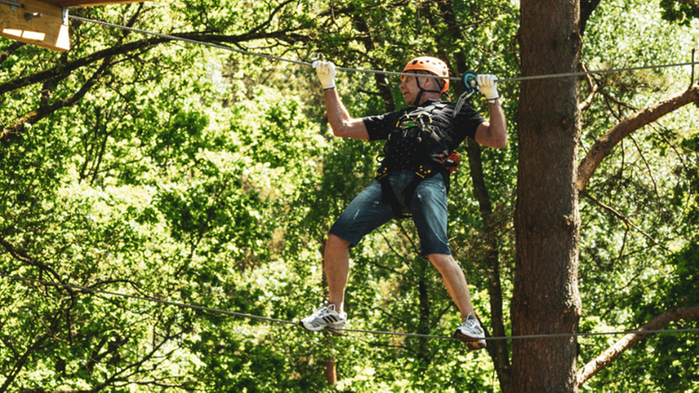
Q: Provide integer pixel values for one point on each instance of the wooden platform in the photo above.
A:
(44, 23)
(88, 3)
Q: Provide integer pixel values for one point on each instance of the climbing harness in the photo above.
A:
(436, 153)
(441, 158)
(428, 135)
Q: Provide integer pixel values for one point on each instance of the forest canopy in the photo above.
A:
(164, 169)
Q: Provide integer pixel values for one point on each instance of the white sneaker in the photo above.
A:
(472, 333)
(325, 318)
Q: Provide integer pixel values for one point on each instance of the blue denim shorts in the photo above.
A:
(428, 209)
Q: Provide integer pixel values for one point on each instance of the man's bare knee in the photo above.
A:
(441, 261)
(336, 242)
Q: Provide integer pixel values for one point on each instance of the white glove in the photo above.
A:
(326, 73)
(488, 86)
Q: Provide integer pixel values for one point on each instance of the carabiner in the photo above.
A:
(469, 80)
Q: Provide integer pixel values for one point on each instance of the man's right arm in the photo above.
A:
(342, 123)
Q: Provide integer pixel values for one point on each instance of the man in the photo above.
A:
(413, 178)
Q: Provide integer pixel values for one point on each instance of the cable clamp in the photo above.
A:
(13, 4)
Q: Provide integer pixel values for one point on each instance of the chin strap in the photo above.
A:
(419, 95)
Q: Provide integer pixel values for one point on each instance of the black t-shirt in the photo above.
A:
(406, 152)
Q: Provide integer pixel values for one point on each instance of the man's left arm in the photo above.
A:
(492, 133)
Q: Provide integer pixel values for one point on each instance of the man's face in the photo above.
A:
(409, 87)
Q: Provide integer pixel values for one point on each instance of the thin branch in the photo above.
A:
(623, 244)
(594, 88)
(604, 145)
(691, 81)
(10, 50)
(20, 125)
(383, 311)
(62, 71)
(39, 344)
(269, 20)
(21, 256)
(650, 171)
(370, 93)
(672, 145)
(630, 340)
(406, 234)
(623, 218)
(613, 99)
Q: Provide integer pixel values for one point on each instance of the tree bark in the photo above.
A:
(630, 340)
(547, 222)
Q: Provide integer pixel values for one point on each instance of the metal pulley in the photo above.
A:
(469, 80)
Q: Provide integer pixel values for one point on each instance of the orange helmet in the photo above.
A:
(432, 65)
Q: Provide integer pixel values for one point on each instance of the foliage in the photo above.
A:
(638, 211)
(209, 177)
(680, 11)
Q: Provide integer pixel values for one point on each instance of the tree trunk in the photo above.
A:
(423, 347)
(547, 221)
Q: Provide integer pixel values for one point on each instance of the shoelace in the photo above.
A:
(325, 311)
(473, 324)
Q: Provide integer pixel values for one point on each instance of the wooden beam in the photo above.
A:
(89, 3)
(35, 22)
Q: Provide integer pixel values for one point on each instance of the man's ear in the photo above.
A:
(439, 83)
(433, 84)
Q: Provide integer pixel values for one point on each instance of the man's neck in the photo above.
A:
(426, 97)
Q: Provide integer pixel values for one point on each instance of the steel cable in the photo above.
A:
(377, 332)
(520, 78)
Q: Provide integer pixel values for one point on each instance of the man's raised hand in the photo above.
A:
(326, 73)
(488, 86)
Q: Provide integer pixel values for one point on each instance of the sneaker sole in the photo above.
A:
(472, 343)
(309, 328)
(328, 328)
(334, 331)
(476, 345)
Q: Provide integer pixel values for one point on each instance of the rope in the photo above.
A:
(520, 78)
(377, 332)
